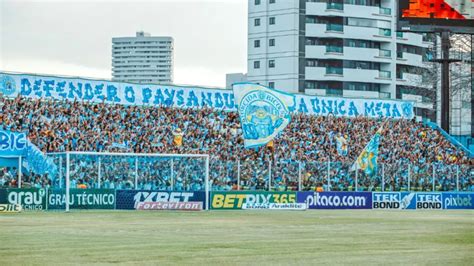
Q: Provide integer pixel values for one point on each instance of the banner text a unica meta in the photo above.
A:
(60, 88)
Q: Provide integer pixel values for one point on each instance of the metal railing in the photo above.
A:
(336, 6)
(190, 173)
(335, 27)
(385, 74)
(385, 53)
(385, 32)
(334, 49)
(334, 71)
(385, 11)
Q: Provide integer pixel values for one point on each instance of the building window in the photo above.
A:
(272, 1)
(271, 63)
(256, 43)
(257, 22)
(271, 42)
(257, 2)
(271, 84)
(256, 64)
(272, 21)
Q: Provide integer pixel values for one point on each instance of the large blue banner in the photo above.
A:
(60, 88)
(12, 144)
(142, 199)
(335, 200)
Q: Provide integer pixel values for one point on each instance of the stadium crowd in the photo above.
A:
(305, 148)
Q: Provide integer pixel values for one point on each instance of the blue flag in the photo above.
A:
(367, 160)
(341, 145)
(263, 112)
(37, 162)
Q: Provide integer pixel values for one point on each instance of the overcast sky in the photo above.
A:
(72, 37)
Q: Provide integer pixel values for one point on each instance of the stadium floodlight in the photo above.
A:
(103, 170)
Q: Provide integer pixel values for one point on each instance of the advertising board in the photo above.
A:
(146, 199)
(458, 200)
(30, 199)
(423, 200)
(10, 208)
(236, 199)
(393, 200)
(82, 199)
(429, 201)
(335, 200)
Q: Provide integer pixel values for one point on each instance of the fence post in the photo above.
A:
(356, 179)
(172, 174)
(299, 175)
(67, 181)
(99, 172)
(238, 174)
(270, 175)
(457, 177)
(434, 175)
(383, 177)
(207, 183)
(328, 174)
(19, 171)
(409, 177)
(136, 172)
(60, 171)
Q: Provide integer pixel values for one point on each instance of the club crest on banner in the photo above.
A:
(7, 85)
(263, 112)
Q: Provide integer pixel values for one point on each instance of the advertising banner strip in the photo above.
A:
(393, 200)
(235, 199)
(42, 199)
(458, 200)
(30, 199)
(275, 206)
(336, 200)
(131, 199)
(97, 91)
(82, 199)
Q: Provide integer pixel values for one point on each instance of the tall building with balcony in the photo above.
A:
(142, 59)
(347, 48)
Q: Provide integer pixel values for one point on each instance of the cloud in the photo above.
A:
(75, 37)
(36, 66)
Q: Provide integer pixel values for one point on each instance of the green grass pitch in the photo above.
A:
(238, 237)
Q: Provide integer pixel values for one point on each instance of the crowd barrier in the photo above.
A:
(33, 199)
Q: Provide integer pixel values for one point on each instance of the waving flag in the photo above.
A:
(367, 160)
(37, 162)
(341, 145)
(263, 112)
